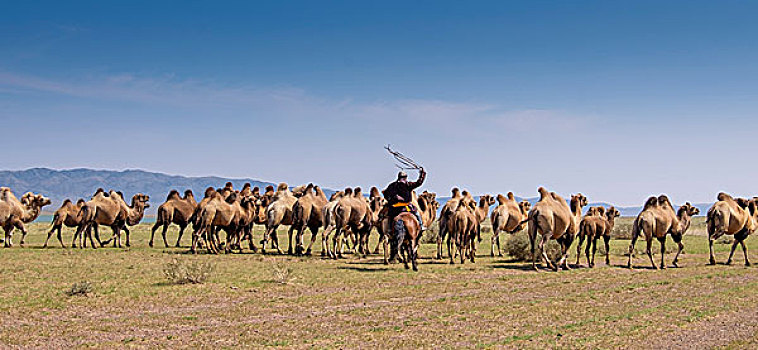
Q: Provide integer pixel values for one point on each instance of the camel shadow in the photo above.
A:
(520, 267)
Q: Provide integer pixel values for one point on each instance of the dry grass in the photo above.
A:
(359, 302)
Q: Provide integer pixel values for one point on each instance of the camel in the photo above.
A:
(597, 224)
(110, 210)
(279, 212)
(482, 211)
(68, 214)
(308, 212)
(729, 216)
(351, 213)
(658, 219)
(509, 216)
(461, 227)
(553, 218)
(445, 215)
(330, 220)
(219, 212)
(15, 213)
(176, 210)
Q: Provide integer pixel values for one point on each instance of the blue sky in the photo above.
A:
(615, 99)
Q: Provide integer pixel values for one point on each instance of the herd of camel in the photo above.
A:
(349, 216)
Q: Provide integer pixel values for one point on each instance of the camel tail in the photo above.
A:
(56, 216)
(715, 221)
(636, 227)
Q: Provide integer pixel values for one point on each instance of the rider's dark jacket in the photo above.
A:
(400, 191)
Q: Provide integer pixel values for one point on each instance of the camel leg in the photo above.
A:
(379, 241)
(60, 238)
(586, 253)
(663, 252)
(579, 249)
(631, 249)
(545, 238)
(152, 232)
(163, 234)
(23, 236)
(607, 240)
(499, 251)
(181, 232)
(744, 251)
(49, 234)
(128, 233)
(649, 252)
(89, 234)
(337, 244)
(594, 250)
(734, 246)
(290, 232)
(385, 243)
(711, 239)
(76, 234)
(563, 261)
(495, 238)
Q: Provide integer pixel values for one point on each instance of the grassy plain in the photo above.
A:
(361, 303)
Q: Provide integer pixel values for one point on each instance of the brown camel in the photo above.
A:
(658, 219)
(462, 227)
(351, 213)
(15, 213)
(729, 216)
(279, 212)
(445, 215)
(68, 214)
(308, 213)
(509, 216)
(553, 218)
(110, 210)
(598, 224)
(176, 210)
(330, 220)
(482, 211)
(219, 212)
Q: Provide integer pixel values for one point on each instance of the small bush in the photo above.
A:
(519, 247)
(430, 234)
(83, 288)
(281, 273)
(183, 272)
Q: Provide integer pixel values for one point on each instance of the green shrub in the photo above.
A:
(519, 247)
(83, 288)
(182, 272)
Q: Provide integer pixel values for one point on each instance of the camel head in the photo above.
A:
(580, 198)
(742, 202)
(486, 200)
(299, 191)
(688, 209)
(525, 206)
(336, 195)
(36, 200)
(209, 192)
(612, 213)
(141, 199)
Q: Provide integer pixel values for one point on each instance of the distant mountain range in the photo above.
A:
(59, 185)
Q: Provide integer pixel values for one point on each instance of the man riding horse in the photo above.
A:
(398, 195)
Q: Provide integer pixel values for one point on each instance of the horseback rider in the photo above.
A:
(398, 195)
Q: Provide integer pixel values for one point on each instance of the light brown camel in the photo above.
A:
(68, 214)
(482, 211)
(658, 219)
(279, 212)
(461, 227)
(553, 218)
(15, 213)
(351, 213)
(176, 210)
(593, 226)
(219, 212)
(729, 216)
(110, 210)
(509, 216)
(308, 213)
(445, 215)
(330, 220)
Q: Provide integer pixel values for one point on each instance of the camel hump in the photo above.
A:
(348, 191)
(80, 201)
(511, 196)
(357, 192)
(374, 193)
(282, 186)
(543, 193)
(722, 196)
(500, 199)
(172, 195)
(66, 201)
(650, 202)
(456, 192)
(188, 193)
